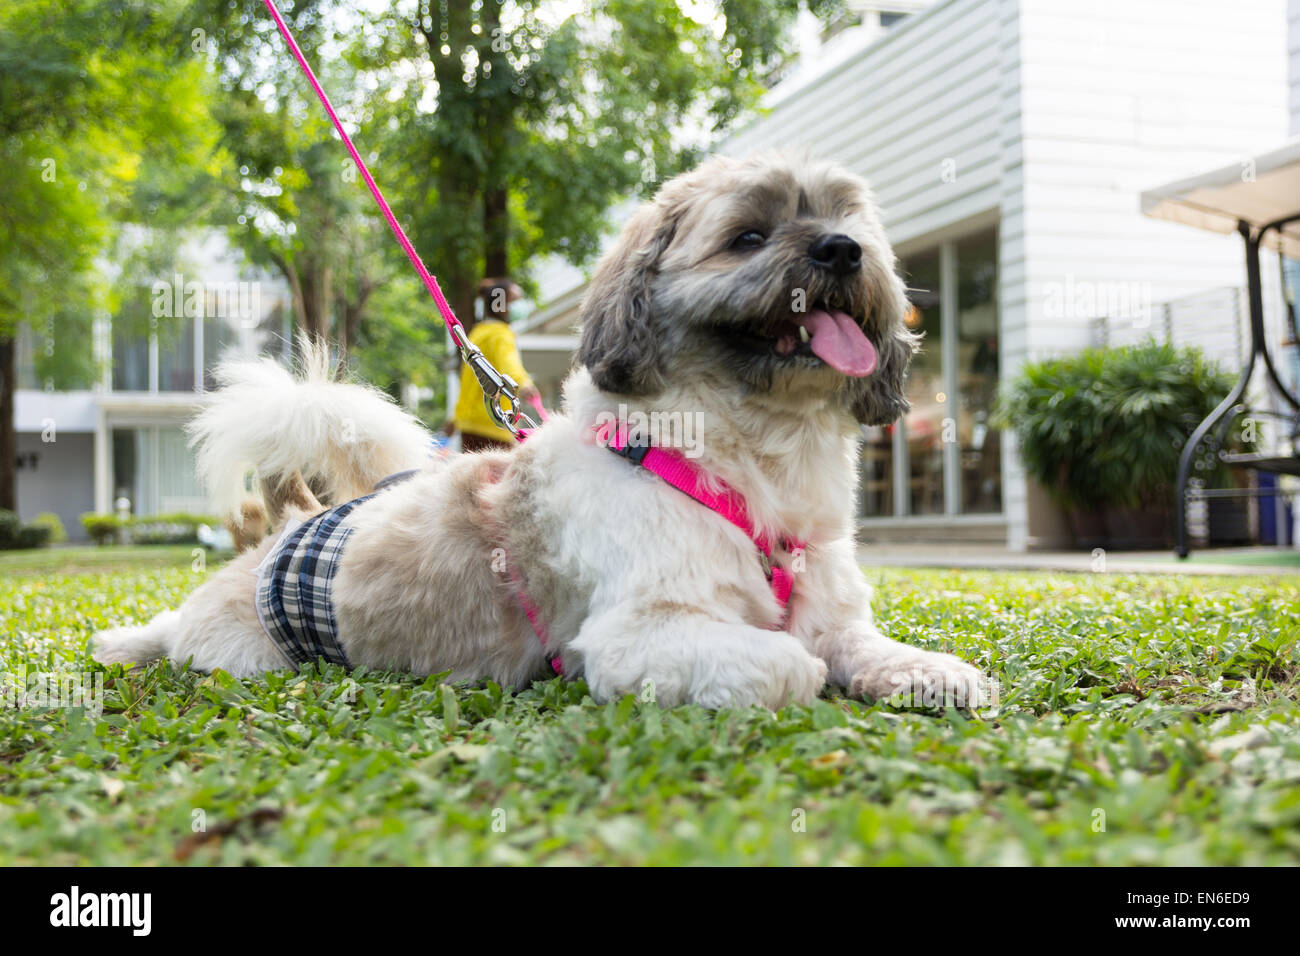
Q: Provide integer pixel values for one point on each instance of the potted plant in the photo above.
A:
(1102, 431)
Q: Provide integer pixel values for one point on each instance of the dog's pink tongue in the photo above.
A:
(840, 342)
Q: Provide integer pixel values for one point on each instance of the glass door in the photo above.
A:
(944, 456)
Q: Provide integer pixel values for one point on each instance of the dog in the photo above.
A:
(756, 297)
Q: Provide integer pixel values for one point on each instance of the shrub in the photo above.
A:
(1105, 428)
(33, 536)
(51, 521)
(178, 528)
(9, 528)
(103, 529)
(14, 534)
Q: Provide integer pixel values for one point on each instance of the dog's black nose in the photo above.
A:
(836, 252)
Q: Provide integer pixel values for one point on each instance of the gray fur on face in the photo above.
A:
(676, 298)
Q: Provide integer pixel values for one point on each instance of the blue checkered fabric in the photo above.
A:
(293, 590)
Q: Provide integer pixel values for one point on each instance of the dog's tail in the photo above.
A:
(304, 438)
(137, 644)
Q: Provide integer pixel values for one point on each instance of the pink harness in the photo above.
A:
(687, 477)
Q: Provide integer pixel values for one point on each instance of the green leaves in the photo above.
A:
(1105, 427)
(563, 110)
(98, 107)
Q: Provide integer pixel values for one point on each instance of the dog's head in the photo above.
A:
(768, 274)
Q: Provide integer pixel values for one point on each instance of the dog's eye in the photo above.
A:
(749, 239)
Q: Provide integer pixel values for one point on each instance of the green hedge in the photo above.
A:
(178, 528)
(48, 519)
(101, 528)
(14, 534)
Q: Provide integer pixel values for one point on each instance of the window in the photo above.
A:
(944, 454)
(25, 348)
(176, 355)
(130, 360)
(977, 374)
(220, 338)
(54, 354)
(923, 426)
(163, 354)
(153, 468)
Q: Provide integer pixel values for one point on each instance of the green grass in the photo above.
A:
(76, 559)
(1165, 708)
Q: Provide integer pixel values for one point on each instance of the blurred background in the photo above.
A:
(173, 194)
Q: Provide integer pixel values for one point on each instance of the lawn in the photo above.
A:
(76, 559)
(1141, 720)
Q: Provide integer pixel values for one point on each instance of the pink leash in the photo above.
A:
(496, 385)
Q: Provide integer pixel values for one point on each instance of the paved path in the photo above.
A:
(991, 557)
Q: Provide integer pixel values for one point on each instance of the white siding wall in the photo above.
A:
(1013, 306)
(1293, 68)
(55, 476)
(1120, 96)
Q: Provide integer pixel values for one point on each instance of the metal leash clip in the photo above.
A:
(496, 387)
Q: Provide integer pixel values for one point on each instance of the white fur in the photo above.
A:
(266, 421)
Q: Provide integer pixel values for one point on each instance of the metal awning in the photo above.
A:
(1258, 192)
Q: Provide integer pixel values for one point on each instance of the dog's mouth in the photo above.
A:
(820, 336)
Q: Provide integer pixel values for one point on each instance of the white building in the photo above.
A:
(121, 437)
(1008, 142)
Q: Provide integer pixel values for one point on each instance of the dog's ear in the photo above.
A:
(620, 345)
(881, 398)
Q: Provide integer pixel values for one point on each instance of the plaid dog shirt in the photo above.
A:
(293, 587)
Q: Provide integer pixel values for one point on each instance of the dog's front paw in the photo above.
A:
(771, 681)
(805, 683)
(920, 679)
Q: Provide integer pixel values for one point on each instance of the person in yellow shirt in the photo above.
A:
(493, 335)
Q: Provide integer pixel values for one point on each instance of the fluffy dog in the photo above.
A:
(757, 298)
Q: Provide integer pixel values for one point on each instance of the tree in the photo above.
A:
(500, 129)
(515, 126)
(298, 203)
(100, 109)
